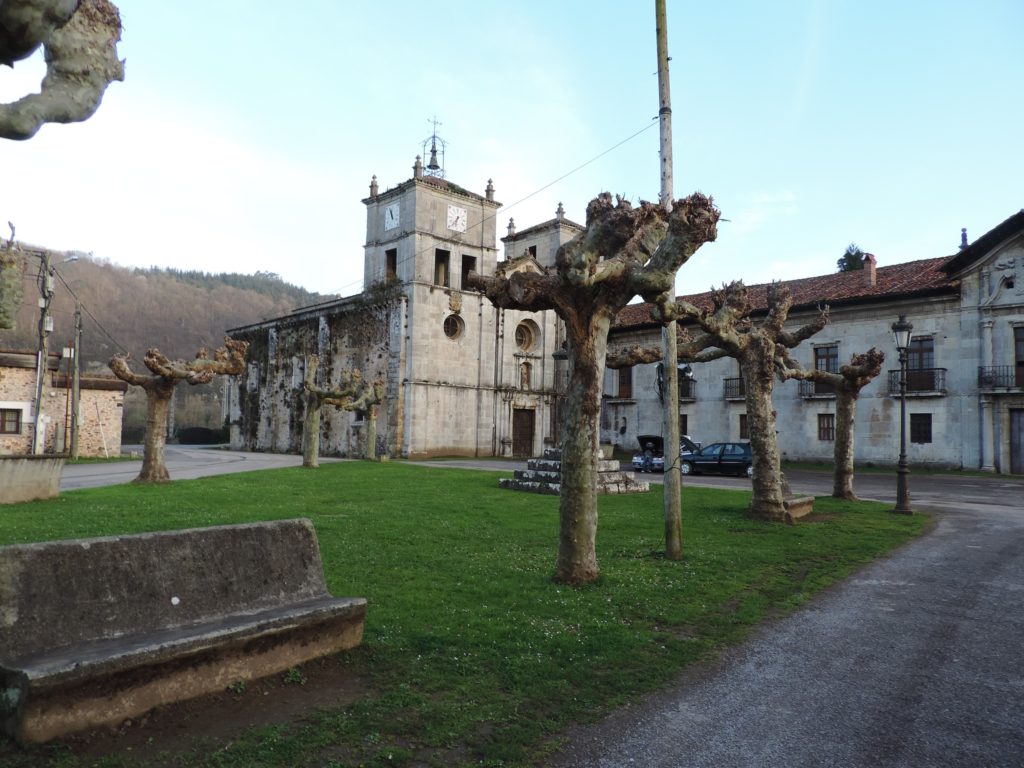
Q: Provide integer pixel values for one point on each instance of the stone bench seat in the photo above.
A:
(140, 621)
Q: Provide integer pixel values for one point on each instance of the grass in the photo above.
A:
(473, 656)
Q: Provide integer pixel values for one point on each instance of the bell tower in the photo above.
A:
(429, 230)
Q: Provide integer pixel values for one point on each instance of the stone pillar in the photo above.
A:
(988, 445)
(986, 343)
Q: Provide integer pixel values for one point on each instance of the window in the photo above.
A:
(827, 427)
(532, 250)
(921, 364)
(626, 383)
(744, 429)
(683, 424)
(10, 421)
(441, 261)
(454, 326)
(920, 427)
(468, 265)
(391, 264)
(526, 335)
(826, 358)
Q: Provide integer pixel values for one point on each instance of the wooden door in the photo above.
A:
(1017, 441)
(522, 432)
(1018, 350)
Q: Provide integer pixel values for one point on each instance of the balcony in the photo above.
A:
(920, 381)
(687, 389)
(1001, 377)
(734, 389)
(816, 389)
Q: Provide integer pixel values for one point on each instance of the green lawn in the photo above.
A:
(472, 655)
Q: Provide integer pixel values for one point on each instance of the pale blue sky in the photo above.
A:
(245, 133)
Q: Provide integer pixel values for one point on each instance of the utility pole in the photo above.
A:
(76, 380)
(673, 493)
(45, 326)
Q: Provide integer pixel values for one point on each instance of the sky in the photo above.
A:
(245, 134)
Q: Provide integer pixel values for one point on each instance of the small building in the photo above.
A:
(100, 413)
(965, 383)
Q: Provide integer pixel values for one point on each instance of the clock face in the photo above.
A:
(456, 218)
(391, 216)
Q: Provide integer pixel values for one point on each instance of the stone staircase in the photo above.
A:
(544, 475)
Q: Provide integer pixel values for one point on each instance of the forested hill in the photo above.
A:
(135, 309)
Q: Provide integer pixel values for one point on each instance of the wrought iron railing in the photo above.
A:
(919, 380)
(1000, 377)
(734, 389)
(816, 389)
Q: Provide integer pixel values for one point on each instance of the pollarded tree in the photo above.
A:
(228, 360)
(730, 328)
(624, 252)
(847, 384)
(79, 38)
(353, 394)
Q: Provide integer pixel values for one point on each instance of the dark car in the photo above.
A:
(720, 459)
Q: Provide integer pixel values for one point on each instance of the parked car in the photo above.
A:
(720, 459)
(657, 450)
(651, 457)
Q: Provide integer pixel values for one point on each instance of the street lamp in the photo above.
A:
(901, 331)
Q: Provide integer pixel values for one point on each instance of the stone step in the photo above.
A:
(544, 465)
(530, 486)
(538, 475)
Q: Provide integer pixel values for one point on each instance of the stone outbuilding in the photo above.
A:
(100, 412)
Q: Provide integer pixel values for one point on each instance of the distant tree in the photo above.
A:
(228, 360)
(847, 384)
(624, 252)
(353, 394)
(728, 330)
(12, 270)
(80, 42)
(852, 260)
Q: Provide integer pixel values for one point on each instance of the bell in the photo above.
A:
(432, 165)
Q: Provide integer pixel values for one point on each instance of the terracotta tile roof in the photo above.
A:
(899, 280)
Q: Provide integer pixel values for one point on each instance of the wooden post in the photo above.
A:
(673, 492)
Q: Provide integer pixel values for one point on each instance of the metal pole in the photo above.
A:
(673, 495)
(46, 294)
(76, 380)
(902, 470)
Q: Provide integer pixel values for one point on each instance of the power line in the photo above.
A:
(87, 311)
(521, 200)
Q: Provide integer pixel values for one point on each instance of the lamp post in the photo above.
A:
(902, 330)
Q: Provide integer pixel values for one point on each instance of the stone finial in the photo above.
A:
(373, 186)
(489, 192)
(869, 270)
(560, 212)
(417, 168)
(963, 238)
(511, 227)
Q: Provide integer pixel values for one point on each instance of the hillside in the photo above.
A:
(135, 309)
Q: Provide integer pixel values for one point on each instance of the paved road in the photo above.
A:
(918, 660)
(184, 462)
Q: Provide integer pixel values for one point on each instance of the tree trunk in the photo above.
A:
(842, 478)
(311, 432)
(577, 553)
(158, 402)
(767, 480)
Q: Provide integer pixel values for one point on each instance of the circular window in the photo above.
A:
(527, 333)
(454, 326)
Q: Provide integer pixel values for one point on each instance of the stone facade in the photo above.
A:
(462, 378)
(965, 401)
(101, 407)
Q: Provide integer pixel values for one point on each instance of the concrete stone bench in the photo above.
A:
(94, 631)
